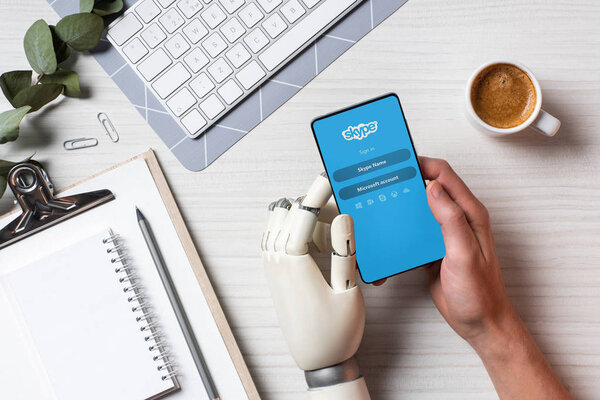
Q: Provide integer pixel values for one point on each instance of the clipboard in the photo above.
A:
(194, 260)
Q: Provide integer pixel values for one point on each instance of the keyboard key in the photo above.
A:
(153, 35)
(214, 45)
(177, 45)
(123, 30)
(165, 3)
(238, 55)
(310, 3)
(250, 15)
(212, 106)
(250, 74)
(220, 70)
(269, 5)
(292, 10)
(230, 91)
(195, 31)
(274, 25)
(171, 20)
(171, 80)
(181, 102)
(135, 50)
(303, 32)
(256, 40)
(154, 64)
(202, 85)
(233, 30)
(193, 122)
(213, 16)
(147, 10)
(231, 5)
(189, 7)
(196, 60)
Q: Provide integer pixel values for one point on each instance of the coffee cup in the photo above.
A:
(504, 97)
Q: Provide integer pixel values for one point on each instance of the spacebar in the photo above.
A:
(306, 29)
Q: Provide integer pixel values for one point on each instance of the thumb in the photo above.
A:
(458, 235)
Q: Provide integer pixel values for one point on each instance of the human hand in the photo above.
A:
(466, 286)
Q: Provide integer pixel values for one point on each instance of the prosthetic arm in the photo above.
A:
(323, 324)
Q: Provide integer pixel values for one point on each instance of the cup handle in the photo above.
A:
(546, 124)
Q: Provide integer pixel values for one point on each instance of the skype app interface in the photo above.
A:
(373, 170)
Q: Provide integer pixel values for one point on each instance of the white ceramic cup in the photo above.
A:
(543, 122)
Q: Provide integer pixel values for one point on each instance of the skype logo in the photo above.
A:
(360, 131)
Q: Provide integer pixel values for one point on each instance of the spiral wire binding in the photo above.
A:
(126, 276)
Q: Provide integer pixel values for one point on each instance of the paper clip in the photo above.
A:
(109, 128)
(80, 143)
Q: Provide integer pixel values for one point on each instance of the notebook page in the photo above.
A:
(83, 327)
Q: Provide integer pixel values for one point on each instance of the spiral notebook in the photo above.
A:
(67, 327)
(91, 326)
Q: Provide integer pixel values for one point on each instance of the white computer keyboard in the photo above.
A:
(202, 57)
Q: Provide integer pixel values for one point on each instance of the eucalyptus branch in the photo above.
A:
(46, 47)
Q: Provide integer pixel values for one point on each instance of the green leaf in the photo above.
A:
(62, 51)
(13, 82)
(9, 124)
(80, 31)
(86, 6)
(67, 78)
(39, 49)
(6, 166)
(108, 7)
(38, 96)
(2, 185)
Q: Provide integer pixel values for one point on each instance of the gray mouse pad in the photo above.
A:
(197, 154)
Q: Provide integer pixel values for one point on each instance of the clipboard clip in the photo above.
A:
(40, 209)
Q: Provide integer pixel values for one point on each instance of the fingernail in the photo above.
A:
(436, 189)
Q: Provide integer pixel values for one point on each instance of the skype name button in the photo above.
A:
(364, 167)
(380, 182)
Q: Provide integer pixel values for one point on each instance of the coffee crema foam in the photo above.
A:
(503, 96)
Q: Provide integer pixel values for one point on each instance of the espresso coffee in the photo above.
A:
(503, 96)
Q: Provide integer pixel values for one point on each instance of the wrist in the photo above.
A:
(337, 382)
(501, 337)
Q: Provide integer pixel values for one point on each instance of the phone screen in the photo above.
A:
(375, 176)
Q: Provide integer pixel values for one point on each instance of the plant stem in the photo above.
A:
(39, 78)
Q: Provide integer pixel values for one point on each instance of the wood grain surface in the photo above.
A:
(543, 194)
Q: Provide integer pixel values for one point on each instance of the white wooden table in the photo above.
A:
(543, 194)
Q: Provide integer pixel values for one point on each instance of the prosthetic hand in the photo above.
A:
(323, 324)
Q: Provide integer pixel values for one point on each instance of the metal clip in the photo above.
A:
(41, 209)
(108, 126)
(80, 143)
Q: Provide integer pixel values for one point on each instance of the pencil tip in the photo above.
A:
(139, 214)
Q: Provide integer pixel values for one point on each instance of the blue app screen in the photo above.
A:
(375, 177)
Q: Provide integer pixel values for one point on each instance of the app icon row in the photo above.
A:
(381, 198)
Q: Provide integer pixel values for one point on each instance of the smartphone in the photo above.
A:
(375, 175)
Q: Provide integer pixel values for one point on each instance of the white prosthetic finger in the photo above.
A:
(319, 236)
(263, 240)
(319, 193)
(298, 230)
(343, 258)
(278, 212)
(284, 231)
(328, 212)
